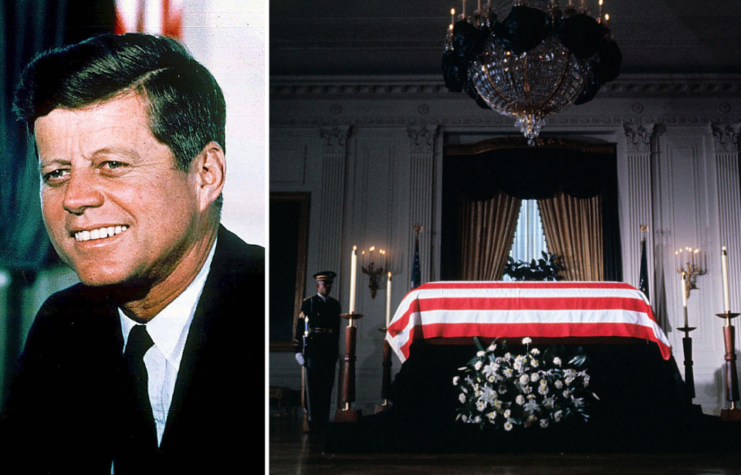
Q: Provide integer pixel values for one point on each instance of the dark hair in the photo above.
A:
(186, 105)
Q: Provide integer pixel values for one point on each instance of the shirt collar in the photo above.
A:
(167, 327)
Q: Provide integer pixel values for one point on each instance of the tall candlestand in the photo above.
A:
(386, 381)
(347, 414)
(689, 374)
(731, 377)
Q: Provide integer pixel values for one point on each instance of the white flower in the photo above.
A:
(558, 383)
(508, 426)
(520, 400)
(557, 361)
(535, 377)
(481, 405)
(462, 398)
(480, 353)
(544, 423)
(455, 380)
(492, 415)
(492, 347)
(502, 389)
(489, 370)
(498, 404)
(543, 389)
(535, 351)
(478, 365)
(507, 413)
(524, 379)
(531, 406)
(527, 389)
(526, 341)
(557, 416)
(567, 394)
(586, 380)
(508, 372)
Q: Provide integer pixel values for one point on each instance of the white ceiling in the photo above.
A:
(352, 37)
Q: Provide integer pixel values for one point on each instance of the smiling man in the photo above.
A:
(141, 366)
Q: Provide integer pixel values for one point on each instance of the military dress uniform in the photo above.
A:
(321, 353)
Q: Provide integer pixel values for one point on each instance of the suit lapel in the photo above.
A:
(193, 361)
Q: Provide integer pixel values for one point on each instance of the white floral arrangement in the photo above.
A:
(527, 390)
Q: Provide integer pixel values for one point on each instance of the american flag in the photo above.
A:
(523, 309)
(159, 17)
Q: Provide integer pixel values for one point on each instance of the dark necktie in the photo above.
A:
(140, 441)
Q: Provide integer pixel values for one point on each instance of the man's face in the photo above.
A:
(115, 207)
(323, 288)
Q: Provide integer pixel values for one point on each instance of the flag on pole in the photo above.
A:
(158, 17)
(643, 278)
(416, 272)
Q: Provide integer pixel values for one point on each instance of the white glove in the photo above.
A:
(300, 358)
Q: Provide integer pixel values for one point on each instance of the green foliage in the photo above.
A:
(545, 268)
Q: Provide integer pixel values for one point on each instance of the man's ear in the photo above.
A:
(210, 173)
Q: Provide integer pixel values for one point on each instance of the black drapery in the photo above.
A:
(579, 169)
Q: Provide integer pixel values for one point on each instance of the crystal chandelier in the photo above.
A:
(539, 60)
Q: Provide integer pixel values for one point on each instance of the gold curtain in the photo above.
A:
(573, 231)
(487, 229)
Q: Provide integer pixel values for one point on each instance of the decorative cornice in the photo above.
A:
(627, 85)
(514, 142)
(725, 138)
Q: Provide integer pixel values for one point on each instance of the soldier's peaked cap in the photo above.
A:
(325, 276)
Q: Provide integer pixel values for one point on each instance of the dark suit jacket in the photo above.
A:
(63, 413)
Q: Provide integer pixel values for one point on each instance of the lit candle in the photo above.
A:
(683, 282)
(607, 19)
(388, 301)
(724, 269)
(353, 277)
(463, 11)
(452, 17)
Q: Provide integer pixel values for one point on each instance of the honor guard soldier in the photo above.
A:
(316, 344)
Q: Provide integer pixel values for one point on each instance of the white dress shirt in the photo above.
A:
(168, 330)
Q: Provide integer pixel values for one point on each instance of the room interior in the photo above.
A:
(362, 126)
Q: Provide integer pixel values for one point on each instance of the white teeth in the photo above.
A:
(100, 233)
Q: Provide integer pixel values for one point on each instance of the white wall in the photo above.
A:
(229, 38)
(672, 176)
